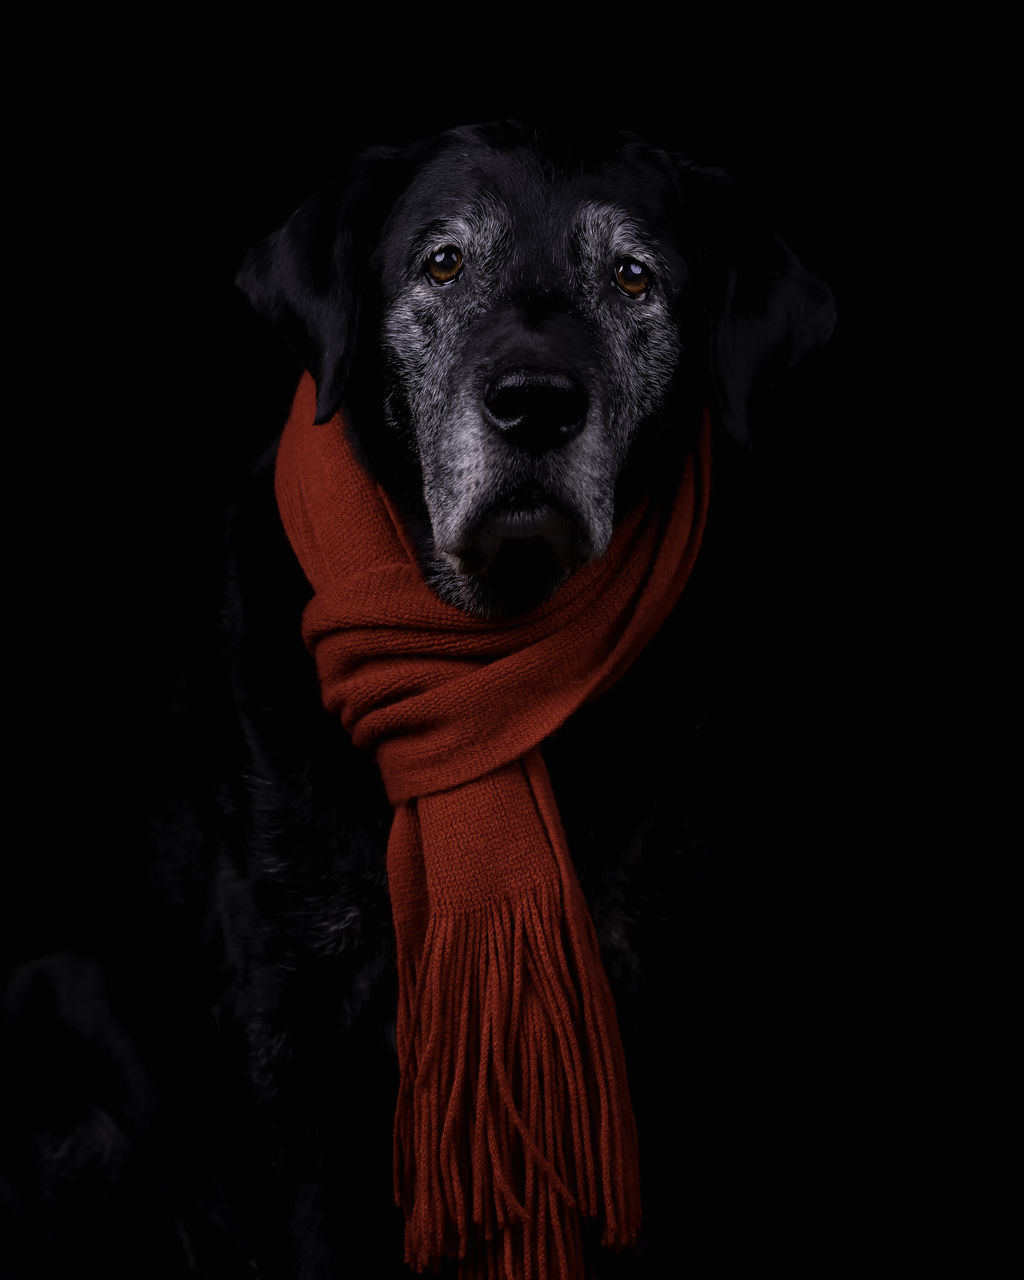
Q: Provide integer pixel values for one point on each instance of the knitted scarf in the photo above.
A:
(513, 1120)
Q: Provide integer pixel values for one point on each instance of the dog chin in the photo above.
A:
(512, 561)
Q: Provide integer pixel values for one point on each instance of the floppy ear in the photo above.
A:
(309, 278)
(772, 312)
(766, 310)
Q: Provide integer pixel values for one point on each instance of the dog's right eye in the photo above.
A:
(444, 264)
(632, 278)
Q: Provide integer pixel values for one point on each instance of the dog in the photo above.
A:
(521, 336)
(522, 332)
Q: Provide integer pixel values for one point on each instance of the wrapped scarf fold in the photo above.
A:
(513, 1121)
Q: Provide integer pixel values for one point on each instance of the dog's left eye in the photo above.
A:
(632, 277)
(444, 264)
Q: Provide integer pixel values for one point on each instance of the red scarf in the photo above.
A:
(513, 1120)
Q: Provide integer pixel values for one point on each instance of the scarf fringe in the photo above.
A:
(513, 1120)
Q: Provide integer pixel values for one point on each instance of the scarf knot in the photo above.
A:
(513, 1121)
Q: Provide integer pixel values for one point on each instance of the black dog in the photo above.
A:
(521, 333)
(520, 337)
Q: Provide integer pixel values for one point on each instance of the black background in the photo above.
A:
(143, 388)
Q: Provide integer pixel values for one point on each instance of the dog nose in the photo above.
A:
(536, 410)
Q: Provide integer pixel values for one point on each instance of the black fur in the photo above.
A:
(243, 1128)
(517, 405)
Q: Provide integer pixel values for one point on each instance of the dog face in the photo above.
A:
(516, 330)
(529, 325)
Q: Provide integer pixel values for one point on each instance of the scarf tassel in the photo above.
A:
(513, 1120)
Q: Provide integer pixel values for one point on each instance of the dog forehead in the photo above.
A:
(520, 191)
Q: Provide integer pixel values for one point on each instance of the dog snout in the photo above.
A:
(536, 410)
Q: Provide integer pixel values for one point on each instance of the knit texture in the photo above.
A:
(513, 1120)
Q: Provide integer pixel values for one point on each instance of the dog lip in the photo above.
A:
(525, 522)
(527, 513)
(522, 518)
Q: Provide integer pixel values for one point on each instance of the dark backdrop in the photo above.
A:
(145, 389)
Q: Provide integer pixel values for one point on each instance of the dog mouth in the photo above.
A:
(520, 551)
(515, 530)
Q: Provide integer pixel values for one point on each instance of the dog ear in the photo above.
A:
(309, 278)
(766, 309)
(772, 312)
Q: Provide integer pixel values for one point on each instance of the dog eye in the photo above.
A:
(444, 264)
(632, 277)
